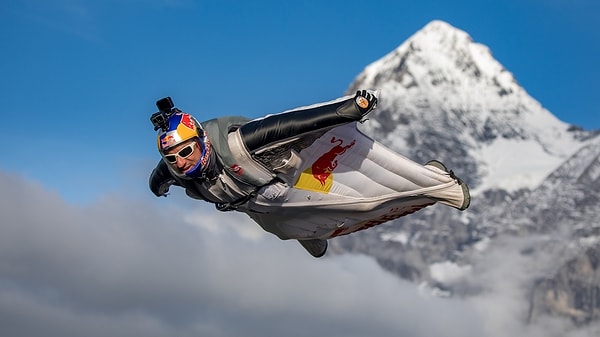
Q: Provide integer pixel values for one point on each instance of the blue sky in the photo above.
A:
(80, 77)
(86, 248)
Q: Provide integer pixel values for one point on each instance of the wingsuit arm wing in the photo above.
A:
(275, 128)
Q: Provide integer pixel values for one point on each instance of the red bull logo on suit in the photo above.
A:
(319, 176)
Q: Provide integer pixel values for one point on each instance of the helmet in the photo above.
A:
(183, 127)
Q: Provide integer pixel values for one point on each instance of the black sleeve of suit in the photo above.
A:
(274, 128)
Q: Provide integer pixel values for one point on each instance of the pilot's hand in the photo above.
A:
(365, 101)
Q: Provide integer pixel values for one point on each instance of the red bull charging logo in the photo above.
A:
(318, 177)
(166, 141)
(186, 120)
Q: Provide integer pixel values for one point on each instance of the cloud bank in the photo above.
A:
(125, 267)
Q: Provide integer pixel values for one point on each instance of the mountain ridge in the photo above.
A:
(533, 177)
(440, 76)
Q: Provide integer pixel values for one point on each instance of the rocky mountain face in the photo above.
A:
(534, 179)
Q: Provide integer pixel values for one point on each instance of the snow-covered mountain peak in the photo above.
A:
(446, 65)
(534, 180)
(445, 96)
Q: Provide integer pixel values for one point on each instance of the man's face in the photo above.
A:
(180, 151)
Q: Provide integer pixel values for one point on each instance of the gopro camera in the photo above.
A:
(166, 109)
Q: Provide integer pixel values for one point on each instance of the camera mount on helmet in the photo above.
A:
(166, 109)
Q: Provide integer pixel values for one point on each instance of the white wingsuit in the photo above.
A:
(313, 186)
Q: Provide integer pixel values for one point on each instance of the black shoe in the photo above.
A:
(316, 247)
(438, 164)
(465, 189)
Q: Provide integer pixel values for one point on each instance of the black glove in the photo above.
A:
(160, 180)
(365, 101)
(163, 189)
(358, 107)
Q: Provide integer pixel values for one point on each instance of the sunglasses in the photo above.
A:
(183, 153)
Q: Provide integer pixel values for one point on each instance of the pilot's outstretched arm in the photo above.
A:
(290, 124)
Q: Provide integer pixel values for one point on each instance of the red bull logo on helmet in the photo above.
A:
(167, 140)
(319, 176)
(181, 128)
(187, 121)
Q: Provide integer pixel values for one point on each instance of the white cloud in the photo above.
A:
(448, 272)
(125, 268)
